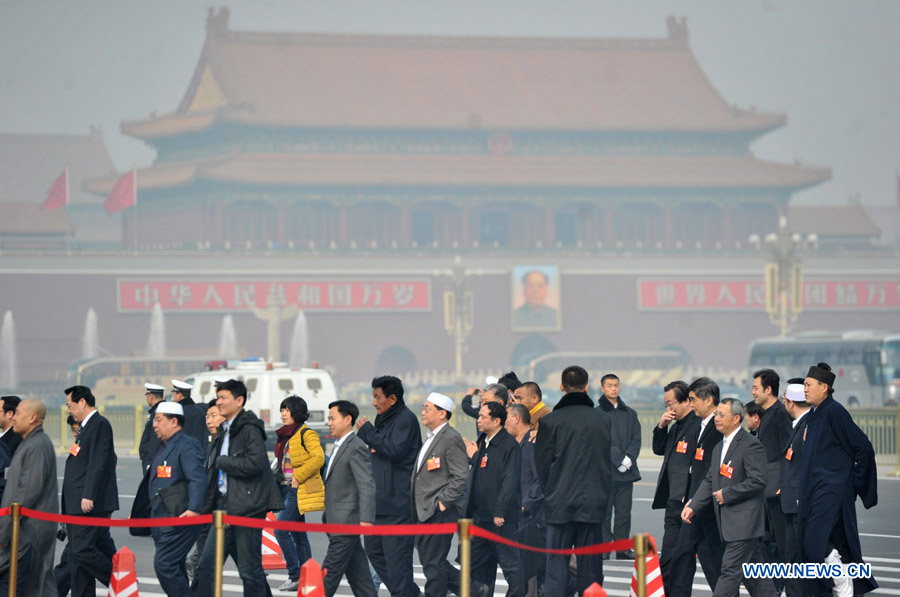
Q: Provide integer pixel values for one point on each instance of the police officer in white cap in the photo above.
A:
(194, 414)
(149, 442)
(789, 486)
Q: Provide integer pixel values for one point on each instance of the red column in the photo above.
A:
(218, 233)
(281, 239)
(464, 225)
(609, 221)
(726, 226)
(668, 225)
(405, 229)
(343, 226)
(550, 227)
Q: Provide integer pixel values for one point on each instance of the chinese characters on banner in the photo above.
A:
(313, 295)
(749, 295)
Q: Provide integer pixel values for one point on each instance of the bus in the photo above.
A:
(866, 363)
(120, 380)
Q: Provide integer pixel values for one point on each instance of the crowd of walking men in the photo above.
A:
(555, 479)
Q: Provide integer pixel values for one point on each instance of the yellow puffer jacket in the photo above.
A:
(307, 457)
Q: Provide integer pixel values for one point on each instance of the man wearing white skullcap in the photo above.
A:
(438, 488)
(792, 455)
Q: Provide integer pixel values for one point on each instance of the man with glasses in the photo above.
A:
(735, 488)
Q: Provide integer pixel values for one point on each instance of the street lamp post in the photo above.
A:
(459, 311)
(784, 273)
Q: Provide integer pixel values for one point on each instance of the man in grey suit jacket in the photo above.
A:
(735, 486)
(438, 488)
(349, 499)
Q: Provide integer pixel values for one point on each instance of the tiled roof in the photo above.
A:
(837, 220)
(29, 219)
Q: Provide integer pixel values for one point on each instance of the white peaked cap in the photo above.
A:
(170, 408)
(440, 401)
(794, 393)
(218, 379)
(180, 385)
(152, 387)
(490, 380)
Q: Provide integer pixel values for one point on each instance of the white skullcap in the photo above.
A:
(152, 387)
(794, 393)
(490, 380)
(170, 408)
(440, 401)
(180, 385)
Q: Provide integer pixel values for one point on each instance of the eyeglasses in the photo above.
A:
(723, 415)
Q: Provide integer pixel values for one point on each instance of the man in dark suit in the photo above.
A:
(493, 502)
(572, 454)
(676, 444)
(394, 439)
(438, 488)
(89, 489)
(9, 437)
(194, 414)
(349, 499)
(700, 539)
(153, 394)
(178, 462)
(735, 487)
(789, 484)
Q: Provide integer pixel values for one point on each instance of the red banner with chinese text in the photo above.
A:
(685, 294)
(179, 296)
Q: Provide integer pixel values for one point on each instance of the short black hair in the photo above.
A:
(297, 407)
(521, 411)
(389, 385)
(608, 376)
(179, 418)
(10, 403)
(80, 393)
(347, 409)
(574, 379)
(704, 387)
(213, 402)
(70, 420)
(236, 387)
(768, 379)
(496, 411)
(510, 380)
(499, 391)
(752, 408)
(533, 388)
(183, 392)
(679, 390)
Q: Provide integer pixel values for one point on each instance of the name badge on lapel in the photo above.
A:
(789, 454)
(433, 464)
(681, 447)
(75, 450)
(726, 470)
(698, 455)
(163, 471)
(484, 461)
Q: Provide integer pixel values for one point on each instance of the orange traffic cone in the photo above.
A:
(123, 582)
(311, 580)
(595, 590)
(272, 558)
(654, 576)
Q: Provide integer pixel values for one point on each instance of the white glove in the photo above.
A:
(626, 464)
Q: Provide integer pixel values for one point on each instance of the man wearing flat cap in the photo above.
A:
(789, 484)
(438, 488)
(838, 464)
(153, 393)
(194, 414)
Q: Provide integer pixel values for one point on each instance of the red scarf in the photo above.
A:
(284, 435)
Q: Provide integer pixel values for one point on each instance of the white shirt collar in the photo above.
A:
(88, 418)
(797, 420)
(437, 429)
(727, 439)
(338, 442)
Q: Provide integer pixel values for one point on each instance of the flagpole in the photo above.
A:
(135, 214)
(68, 246)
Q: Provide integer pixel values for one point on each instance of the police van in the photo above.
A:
(268, 383)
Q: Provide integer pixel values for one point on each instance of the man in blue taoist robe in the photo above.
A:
(838, 465)
(176, 486)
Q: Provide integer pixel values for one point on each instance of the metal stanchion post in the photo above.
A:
(219, 528)
(640, 562)
(465, 557)
(14, 549)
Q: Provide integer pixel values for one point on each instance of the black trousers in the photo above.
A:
(671, 530)
(534, 564)
(620, 494)
(88, 562)
(590, 568)
(700, 538)
(792, 586)
(433, 551)
(485, 555)
(346, 557)
(392, 558)
(737, 553)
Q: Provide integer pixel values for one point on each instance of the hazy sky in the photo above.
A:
(833, 66)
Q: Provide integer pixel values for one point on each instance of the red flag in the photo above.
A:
(123, 194)
(58, 195)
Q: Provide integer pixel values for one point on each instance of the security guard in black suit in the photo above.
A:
(789, 487)
(89, 489)
(149, 442)
(194, 414)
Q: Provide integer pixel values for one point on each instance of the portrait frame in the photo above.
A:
(544, 311)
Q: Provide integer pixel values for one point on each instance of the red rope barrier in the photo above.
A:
(447, 528)
(117, 522)
(621, 545)
(4, 512)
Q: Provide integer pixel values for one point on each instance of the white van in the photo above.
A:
(268, 384)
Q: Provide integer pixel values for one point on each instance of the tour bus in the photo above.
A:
(120, 380)
(268, 383)
(866, 363)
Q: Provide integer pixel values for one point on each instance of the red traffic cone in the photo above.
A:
(654, 575)
(272, 558)
(123, 582)
(311, 580)
(595, 590)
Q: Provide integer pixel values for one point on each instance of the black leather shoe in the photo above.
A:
(625, 555)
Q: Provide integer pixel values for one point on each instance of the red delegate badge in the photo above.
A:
(75, 450)
(164, 472)
(698, 455)
(726, 470)
(789, 454)
(433, 464)
(681, 447)
(484, 461)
